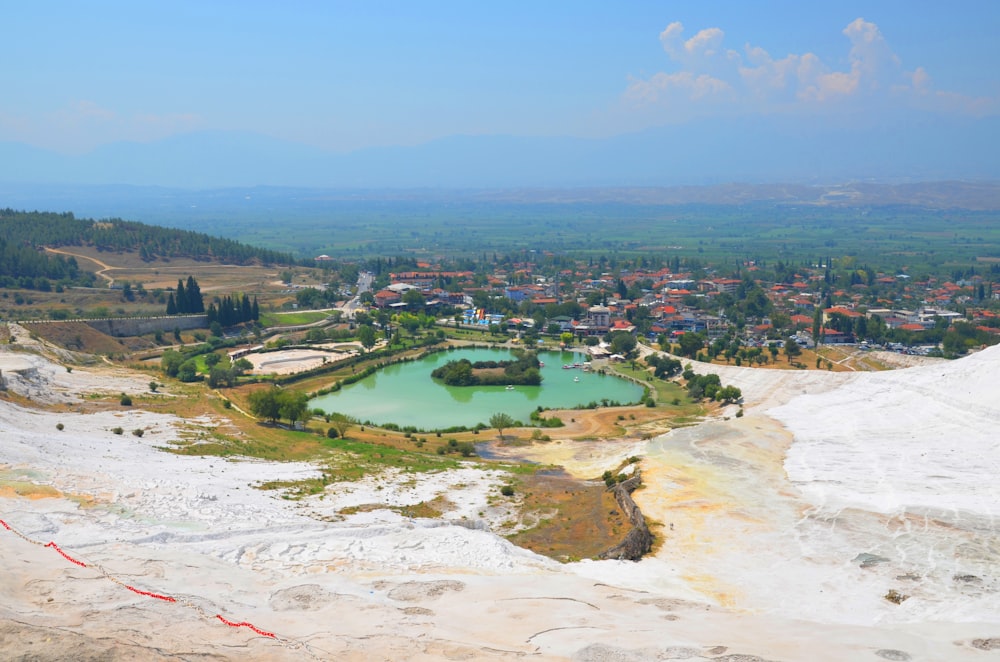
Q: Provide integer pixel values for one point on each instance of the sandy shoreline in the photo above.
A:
(753, 568)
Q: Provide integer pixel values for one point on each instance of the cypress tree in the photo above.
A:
(195, 302)
(246, 311)
(226, 313)
(182, 300)
(171, 305)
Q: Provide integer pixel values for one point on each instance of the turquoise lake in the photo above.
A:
(405, 393)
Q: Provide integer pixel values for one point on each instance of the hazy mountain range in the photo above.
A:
(916, 148)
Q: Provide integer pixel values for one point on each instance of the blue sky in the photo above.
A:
(349, 75)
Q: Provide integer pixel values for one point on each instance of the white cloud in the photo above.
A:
(700, 47)
(667, 88)
(705, 43)
(709, 77)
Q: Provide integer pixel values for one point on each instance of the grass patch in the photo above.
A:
(425, 509)
(292, 319)
(356, 459)
(665, 392)
(350, 460)
(573, 519)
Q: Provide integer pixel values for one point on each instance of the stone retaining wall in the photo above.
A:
(638, 541)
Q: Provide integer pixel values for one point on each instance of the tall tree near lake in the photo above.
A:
(366, 336)
(275, 403)
(341, 423)
(500, 421)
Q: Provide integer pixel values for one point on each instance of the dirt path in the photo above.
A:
(103, 267)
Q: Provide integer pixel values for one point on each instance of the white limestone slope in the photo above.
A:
(920, 440)
(899, 465)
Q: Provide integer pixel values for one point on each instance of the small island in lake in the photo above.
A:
(525, 370)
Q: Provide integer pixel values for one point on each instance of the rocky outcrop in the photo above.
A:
(638, 541)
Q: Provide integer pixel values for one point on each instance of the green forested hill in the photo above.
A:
(23, 233)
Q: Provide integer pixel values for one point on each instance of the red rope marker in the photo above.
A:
(66, 556)
(157, 596)
(165, 598)
(244, 624)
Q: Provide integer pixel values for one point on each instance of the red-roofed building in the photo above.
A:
(832, 337)
(727, 285)
(622, 325)
(385, 298)
(839, 310)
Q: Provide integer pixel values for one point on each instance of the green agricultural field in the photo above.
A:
(893, 237)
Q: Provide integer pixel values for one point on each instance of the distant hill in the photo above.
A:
(21, 233)
(753, 150)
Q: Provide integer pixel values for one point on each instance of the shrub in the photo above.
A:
(69, 368)
(507, 490)
(138, 432)
(153, 386)
(59, 426)
(332, 433)
(117, 430)
(126, 400)
(739, 413)
(895, 596)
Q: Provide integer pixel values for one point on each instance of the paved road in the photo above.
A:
(365, 281)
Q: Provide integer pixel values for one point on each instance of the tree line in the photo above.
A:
(186, 300)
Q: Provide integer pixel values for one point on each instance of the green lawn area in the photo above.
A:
(665, 392)
(293, 318)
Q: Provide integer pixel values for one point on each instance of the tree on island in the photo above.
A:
(500, 421)
(524, 371)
